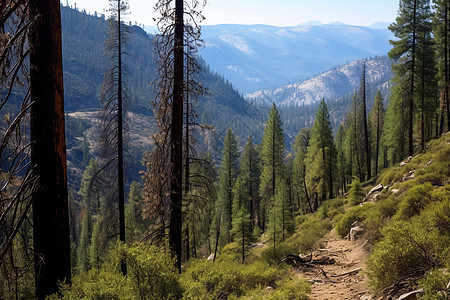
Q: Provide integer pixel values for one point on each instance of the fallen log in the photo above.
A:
(348, 273)
(296, 260)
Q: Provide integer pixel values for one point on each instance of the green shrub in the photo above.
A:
(330, 208)
(414, 201)
(356, 213)
(407, 247)
(434, 285)
(356, 194)
(391, 175)
(221, 279)
(231, 252)
(436, 179)
(286, 288)
(308, 234)
(300, 219)
(378, 215)
(151, 275)
(273, 255)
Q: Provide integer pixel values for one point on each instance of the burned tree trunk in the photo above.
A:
(48, 150)
(175, 239)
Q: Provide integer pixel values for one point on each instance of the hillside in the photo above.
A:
(256, 57)
(330, 85)
(394, 241)
(84, 65)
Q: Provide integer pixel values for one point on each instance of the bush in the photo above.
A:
(221, 279)
(330, 208)
(274, 255)
(231, 252)
(308, 234)
(391, 175)
(434, 285)
(414, 201)
(378, 215)
(151, 275)
(407, 247)
(356, 194)
(286, 288)
(353, 214)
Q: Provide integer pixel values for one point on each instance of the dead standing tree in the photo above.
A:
(167, 158)
(16, 179)
(114, 96)
(48, 150)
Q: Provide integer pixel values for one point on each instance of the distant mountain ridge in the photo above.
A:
(256, 57)
(329, 85)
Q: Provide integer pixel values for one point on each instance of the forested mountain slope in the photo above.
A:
(84, 66)
(255, 57)
(331, 85)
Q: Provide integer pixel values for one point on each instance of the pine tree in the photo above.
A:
(300, 147)
(135, 225)
(241, 222)
(426, 84)
(376, 118)
(250, 171)
(341, 159)
(88, 199)
(280, 216)
(272, 170)
(321, 155)
(228, 173)
(394, 139)
(356, 194)
(408, 26)
(363, 120)
(441, 30)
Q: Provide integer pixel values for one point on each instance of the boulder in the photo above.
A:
(210, 257)
(373, 194)
(409, 176)
(405, 161)
(356, 231)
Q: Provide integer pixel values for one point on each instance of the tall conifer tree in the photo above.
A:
(271, 161)
(408, 26)
(250, 171)
(376, 117)
(228, 173)
(321, 156)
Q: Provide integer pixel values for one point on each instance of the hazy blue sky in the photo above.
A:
(271, 12)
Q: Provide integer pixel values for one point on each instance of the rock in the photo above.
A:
(210, 257)
(409, 176)
(405, 161)
(365, 297)
(395, 191)
(356, 231)
(256, 245)
(373, 194)
(411, 295)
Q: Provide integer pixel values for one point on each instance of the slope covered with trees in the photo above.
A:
(257, 205)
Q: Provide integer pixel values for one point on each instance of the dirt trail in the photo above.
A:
(328, 281)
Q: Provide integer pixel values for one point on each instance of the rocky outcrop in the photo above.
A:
(373, 194)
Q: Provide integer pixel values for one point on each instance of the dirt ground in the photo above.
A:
(345, 278)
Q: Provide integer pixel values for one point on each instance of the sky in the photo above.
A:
(269, 12)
